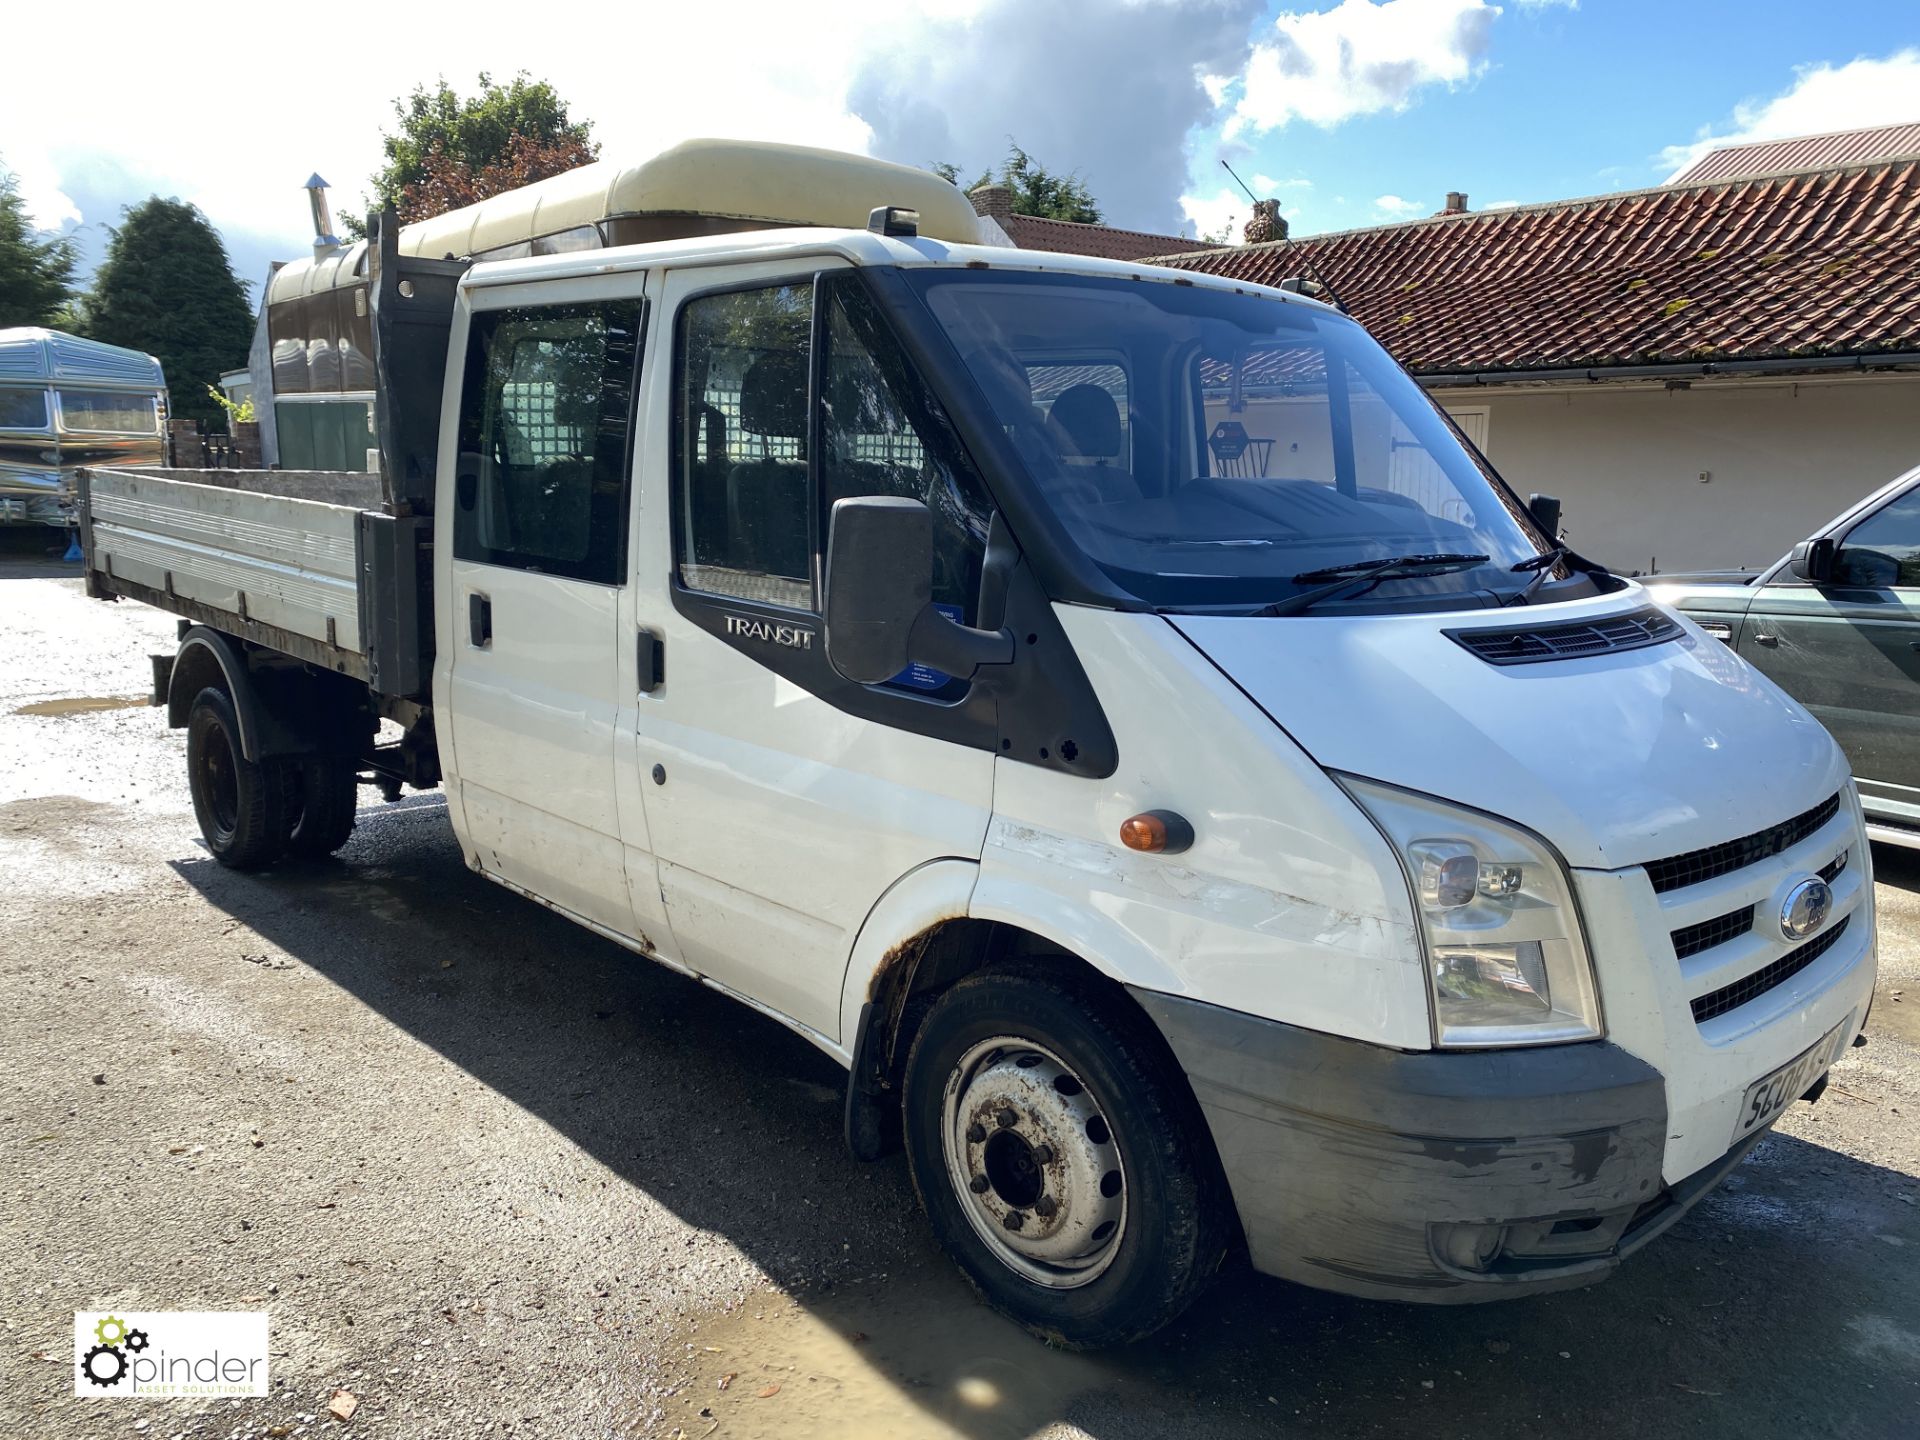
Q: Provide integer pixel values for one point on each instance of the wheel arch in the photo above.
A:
(206, 657)
(925, 933)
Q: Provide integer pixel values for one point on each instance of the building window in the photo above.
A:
(744, 515)
(545, 420)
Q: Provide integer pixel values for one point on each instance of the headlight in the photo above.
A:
(1506, 962)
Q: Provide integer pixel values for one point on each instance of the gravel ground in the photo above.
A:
(498, 1177)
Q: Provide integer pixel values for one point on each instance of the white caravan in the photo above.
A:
(1182, 854)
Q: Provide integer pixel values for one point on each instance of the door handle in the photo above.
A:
(1761, 638)
(480, 621)
(650, 662)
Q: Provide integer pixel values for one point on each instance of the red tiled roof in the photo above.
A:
(1034, 232)
(1803, 152)
(1826, 263)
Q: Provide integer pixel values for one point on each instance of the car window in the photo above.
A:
(107, 412)
(744, 502)
(23, 409)
(885, 435)
(1883, 551)
(544, 422)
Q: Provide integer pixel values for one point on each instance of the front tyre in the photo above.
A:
(1060, 1157)
(241, 805)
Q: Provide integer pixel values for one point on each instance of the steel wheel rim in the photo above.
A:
(222, 780)
(1033, 1162)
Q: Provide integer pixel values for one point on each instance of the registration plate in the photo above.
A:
(1771, 1094)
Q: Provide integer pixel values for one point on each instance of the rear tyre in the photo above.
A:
(322, 796)
(240, 804)
(1060, 1157)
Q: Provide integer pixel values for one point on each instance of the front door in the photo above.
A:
(540, 502)
(783, 801)
(1849, 650)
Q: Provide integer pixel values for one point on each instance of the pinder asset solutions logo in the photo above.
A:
(161, 1353)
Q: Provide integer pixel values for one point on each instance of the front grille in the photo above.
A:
(1834, 867)
(1692, 939)
(1732, 997)
(1630, 631)
(1722, 859)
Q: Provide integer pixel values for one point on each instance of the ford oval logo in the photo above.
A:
(1806, 908)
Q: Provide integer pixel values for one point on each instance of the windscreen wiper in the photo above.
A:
(1367, 573)
(1541, 565)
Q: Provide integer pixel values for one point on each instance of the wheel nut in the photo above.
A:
(976, 1134)
(979, 1184)
(1015, 1220)
(1007, 1119)
(1045, 1207)
(1043, 1155)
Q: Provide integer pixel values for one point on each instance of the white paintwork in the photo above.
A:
(1289, 905)
(535, 719)
(782, 819)
(1616, 759)
(276, 559)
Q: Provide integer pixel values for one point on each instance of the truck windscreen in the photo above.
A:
(1206, 447)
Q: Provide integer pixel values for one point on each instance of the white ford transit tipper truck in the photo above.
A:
(1109, 709)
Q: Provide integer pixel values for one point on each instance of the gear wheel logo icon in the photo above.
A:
(136, 1340)
(110, 1323)
(104, 1365)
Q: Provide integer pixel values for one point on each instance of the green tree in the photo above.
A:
(167, 288)
(1036, 189)
(36, 270)
(503, 136)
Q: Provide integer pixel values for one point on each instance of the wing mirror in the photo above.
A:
(1545, 510)
(880, 616)
(1812, 560)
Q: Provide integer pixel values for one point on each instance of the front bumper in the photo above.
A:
(1439, 1176)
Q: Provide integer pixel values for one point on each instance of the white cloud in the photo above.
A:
(1209, 214)
(1862, 92)
(1360, 58)
(1398, 208)
(1267, 185)
(48, 206)
(292, 96)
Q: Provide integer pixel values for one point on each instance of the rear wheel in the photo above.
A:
(322, 796)
(1060, 1157)
(239, 803)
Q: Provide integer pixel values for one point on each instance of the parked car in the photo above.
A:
(1327, 865)
(1836, 624)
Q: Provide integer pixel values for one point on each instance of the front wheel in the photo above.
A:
(1060, 1157)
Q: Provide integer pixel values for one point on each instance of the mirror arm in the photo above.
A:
(956, 649)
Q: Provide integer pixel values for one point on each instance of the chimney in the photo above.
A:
(1456, 203)
(993, 201)
(325, 242)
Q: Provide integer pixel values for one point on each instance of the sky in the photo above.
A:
(1352, 113)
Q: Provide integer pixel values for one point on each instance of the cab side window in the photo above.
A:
(1882, 552)
(744, 506)
(884, 434)
(546, 416)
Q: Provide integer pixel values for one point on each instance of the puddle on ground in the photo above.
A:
(83, 705)
(871, 1361)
